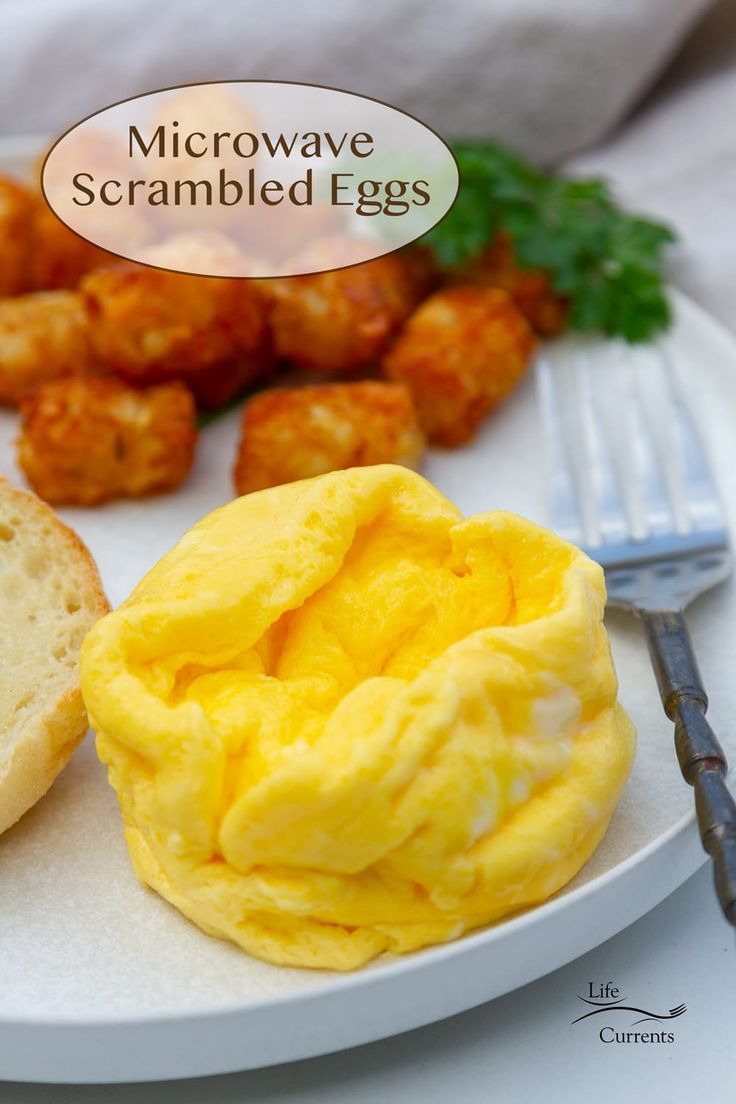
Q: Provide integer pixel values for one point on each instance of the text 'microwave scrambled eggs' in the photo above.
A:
(343, 719)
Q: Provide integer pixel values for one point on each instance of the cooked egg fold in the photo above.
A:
(343, 719)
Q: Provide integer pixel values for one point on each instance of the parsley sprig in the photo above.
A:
(607, 262)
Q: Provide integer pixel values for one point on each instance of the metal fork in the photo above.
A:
(659, 531)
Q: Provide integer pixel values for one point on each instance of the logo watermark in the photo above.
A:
(623, 1018)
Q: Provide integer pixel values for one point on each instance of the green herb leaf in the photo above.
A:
(607, 262)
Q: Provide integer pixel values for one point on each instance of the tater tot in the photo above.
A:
(59, 257)
(295, 433)
(86, 441)
(460, 354)
(44, 336)
(424, 270)
(150, 326)
(17, 205)
(530, 289)
(342, 320)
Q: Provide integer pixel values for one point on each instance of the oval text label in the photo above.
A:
(250, 178)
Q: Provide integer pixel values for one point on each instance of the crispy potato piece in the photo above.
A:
(43, 336)
(150, 326)
(460, 354)
(198, 251)
(425, 272)
(17, 205)
(59, 257)
(290, 234)
(342, 320)
(543, 308)
(294, 433)
(106, 153)
(85, 441)
(37, 251)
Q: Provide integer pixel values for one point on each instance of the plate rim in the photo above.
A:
(397, 965)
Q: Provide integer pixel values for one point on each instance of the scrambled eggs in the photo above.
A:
(342, 719)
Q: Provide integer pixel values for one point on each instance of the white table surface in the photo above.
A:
(521, 1047)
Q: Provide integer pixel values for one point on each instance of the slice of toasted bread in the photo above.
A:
(50, 595)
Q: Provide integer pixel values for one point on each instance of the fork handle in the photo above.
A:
(700, 755)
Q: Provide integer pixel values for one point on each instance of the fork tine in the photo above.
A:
(703, 502)
(628, 478)
(649, 483)
(611, 523)
(564, 500)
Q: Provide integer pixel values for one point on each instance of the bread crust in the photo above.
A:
(41, 741)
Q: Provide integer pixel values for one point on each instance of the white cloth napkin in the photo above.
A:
(550, 77)
(547, 76)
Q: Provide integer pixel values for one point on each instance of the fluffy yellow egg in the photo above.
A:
(342, 719)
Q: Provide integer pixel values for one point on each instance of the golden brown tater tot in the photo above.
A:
(85, 441)
(44, 336)
(341, 321)
(460, 354)
(150, 326)
(17, 205)
(543, 308)
(295, 433)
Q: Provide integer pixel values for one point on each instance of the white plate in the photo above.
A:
(101, 980)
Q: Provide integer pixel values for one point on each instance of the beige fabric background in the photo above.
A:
(550, 77)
